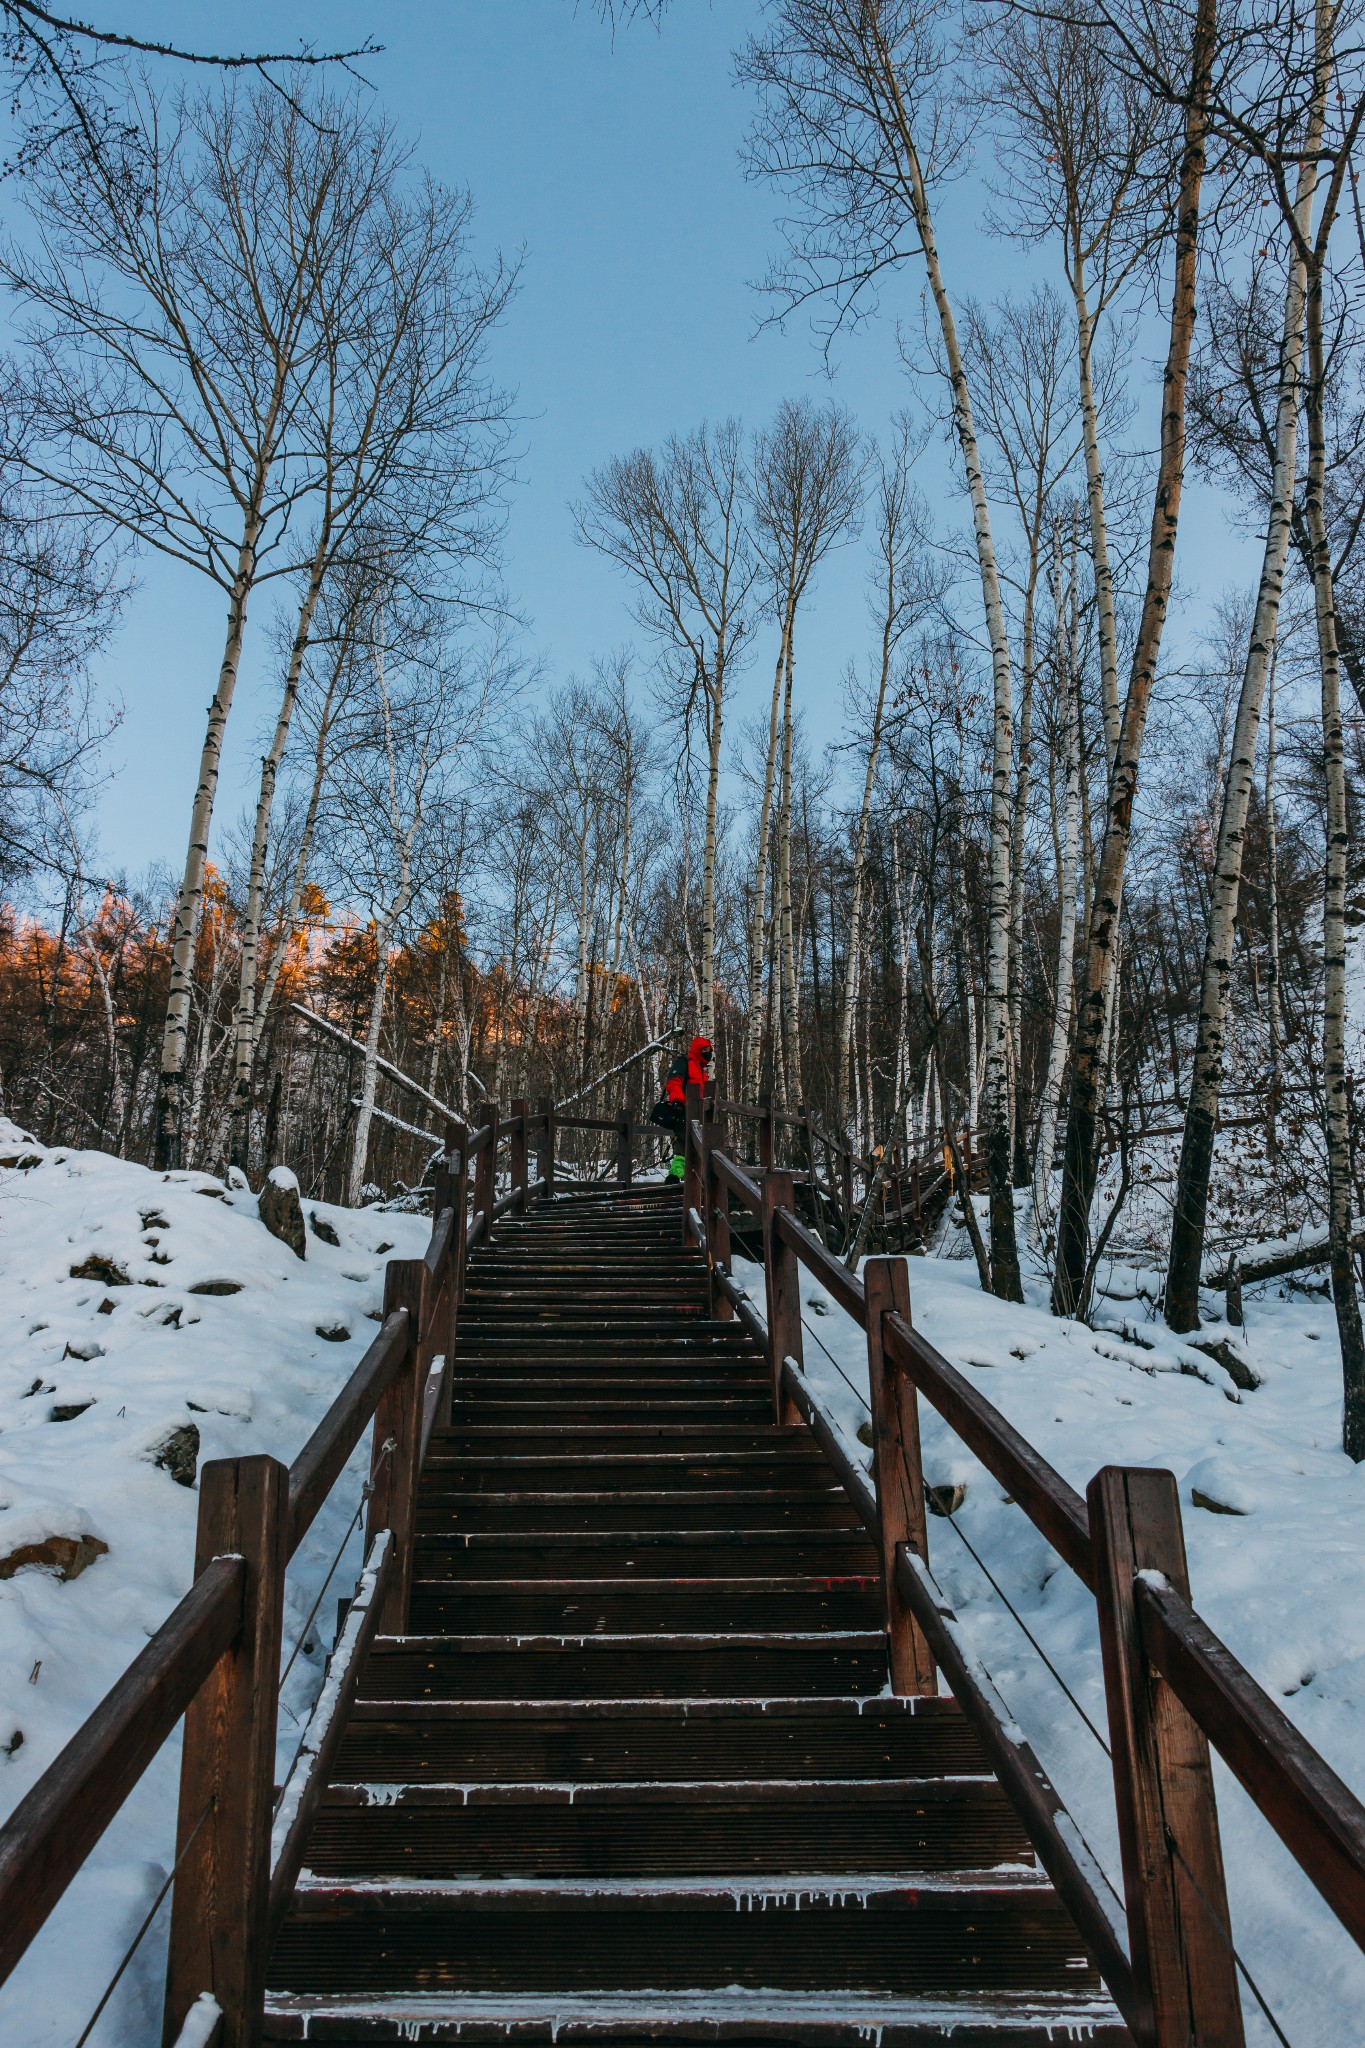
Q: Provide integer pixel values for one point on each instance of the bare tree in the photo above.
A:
(858, 116)
(675, 523)
(421, 703)
(1067, 667)
(904, 588)
(1197, 59)
(174, 323)
(1020, 364)
(58, 601)
(407, 435)
(807, 491)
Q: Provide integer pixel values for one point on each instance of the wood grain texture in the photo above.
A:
(898, 1472)
(219, 1910)
(1184, 1977)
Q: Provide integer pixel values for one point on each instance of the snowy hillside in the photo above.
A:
(1274, 1518)
(146, 1323)
(125, 1360)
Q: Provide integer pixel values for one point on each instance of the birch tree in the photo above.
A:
(1186, 1256)
(421, 705)
(807, 490)
(1066, 663)
(1081, 1163)
(1020, 365)
(903, 589)
(860, 116)
(676, 524)
(406, 433)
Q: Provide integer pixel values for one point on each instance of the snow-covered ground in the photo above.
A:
(97, 1373)
(1279, 1574)
(99, 1376)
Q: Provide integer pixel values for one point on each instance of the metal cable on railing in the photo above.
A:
(1013, 1611)
(151, 1914)
(366, 1490)
(850, 1384)
(1224, 1935)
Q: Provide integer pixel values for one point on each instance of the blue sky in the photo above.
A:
(614, 166)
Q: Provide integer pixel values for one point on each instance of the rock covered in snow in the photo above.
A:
(67, 1556)
(282, 1211)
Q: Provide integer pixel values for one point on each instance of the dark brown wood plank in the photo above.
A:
(59, 1820)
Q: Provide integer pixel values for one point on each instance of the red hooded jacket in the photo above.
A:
(687, 1067)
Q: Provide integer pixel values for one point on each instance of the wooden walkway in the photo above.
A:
(634, 1772)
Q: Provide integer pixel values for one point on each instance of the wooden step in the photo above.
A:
(595, 1471)
(687, 2019)
(520, 1606)
(697, 1554)
(566, 1667)
(641, 1829)
(964, 1931)
(641, 1509)
(633, 1775)
(603, 1741)
(487, 1403)
(546, 1439)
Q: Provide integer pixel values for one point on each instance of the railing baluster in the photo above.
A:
(782, 1275)
(899, 1473)
(1185, 1980)
(545, 1157)
(486, 1170)
(449, 1192)
(692, 1196)
(718, 1235)
(520, 1171)
(623, 1159)
(765, 1132)
(398, 1420)
(219, 1938)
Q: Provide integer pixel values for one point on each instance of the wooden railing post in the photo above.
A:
(397, 1439)
(765, 1132)
(449, 1193)
(520, 1171)
(692, 1099)
(623, 1148)
(486, 1169)
(220, 1935)
(782, 1277)
(545, 1157)
(1184, 1977)
(898, 1471)
(718, 1234)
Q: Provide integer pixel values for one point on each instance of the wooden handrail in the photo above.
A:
(1316, 1816)
(320, 1463)
(832, 1273)
(438, 1248)
(59, 1820)
(1053, 1507)
(587, 1123)
(738, 1182)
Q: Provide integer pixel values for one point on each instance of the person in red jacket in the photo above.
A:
(670, 1113)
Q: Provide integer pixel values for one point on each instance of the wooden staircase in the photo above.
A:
(634, 1773)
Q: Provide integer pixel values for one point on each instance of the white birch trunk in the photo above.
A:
(1066, 956)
